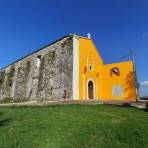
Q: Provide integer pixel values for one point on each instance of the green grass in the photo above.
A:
(76, 126)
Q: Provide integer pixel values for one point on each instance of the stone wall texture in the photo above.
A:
(44, 75)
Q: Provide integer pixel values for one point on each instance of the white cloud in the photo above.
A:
(144, 83)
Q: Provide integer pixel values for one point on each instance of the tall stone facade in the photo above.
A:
(43, 75)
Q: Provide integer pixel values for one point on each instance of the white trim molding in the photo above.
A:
(75, 68)
(84, 86)
(97, 88)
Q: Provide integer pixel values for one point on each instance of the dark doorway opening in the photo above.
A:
(90, 90)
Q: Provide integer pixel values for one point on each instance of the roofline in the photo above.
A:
(36, 51)
(97, 50)
(84, 37)
(117, 62)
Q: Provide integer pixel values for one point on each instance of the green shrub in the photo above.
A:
(126, 105)
(7, 100)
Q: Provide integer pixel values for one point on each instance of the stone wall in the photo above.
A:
(44, 75)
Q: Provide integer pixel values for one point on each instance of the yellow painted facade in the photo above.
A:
(107, 85)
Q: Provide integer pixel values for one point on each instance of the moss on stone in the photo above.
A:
(52, 57)
(10, 75)
(26, 70)
(41, 74)
(2, 78)
(28, 66)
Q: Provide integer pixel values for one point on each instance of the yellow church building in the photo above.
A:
(69, 68)
(92, 79)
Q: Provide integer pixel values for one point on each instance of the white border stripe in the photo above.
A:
(75, 68)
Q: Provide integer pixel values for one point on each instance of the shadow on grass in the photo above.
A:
(146, 107)
(3, 122)
(128, 105)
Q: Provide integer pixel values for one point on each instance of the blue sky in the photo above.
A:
(116, 26)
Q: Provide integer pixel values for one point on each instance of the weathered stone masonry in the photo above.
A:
(44, 75)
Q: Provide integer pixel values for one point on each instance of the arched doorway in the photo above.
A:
(90, 90)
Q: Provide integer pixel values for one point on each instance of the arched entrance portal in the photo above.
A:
(90, 90)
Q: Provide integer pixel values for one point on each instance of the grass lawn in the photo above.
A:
(77, 126)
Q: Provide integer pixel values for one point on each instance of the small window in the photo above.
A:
(117, 91)
(115, 71)
(90, 67)
(90, 64)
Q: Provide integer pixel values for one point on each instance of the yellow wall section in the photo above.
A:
(88, 54)
(100, 74)
(126, 80)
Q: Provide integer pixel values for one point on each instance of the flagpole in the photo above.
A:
(135, 75)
